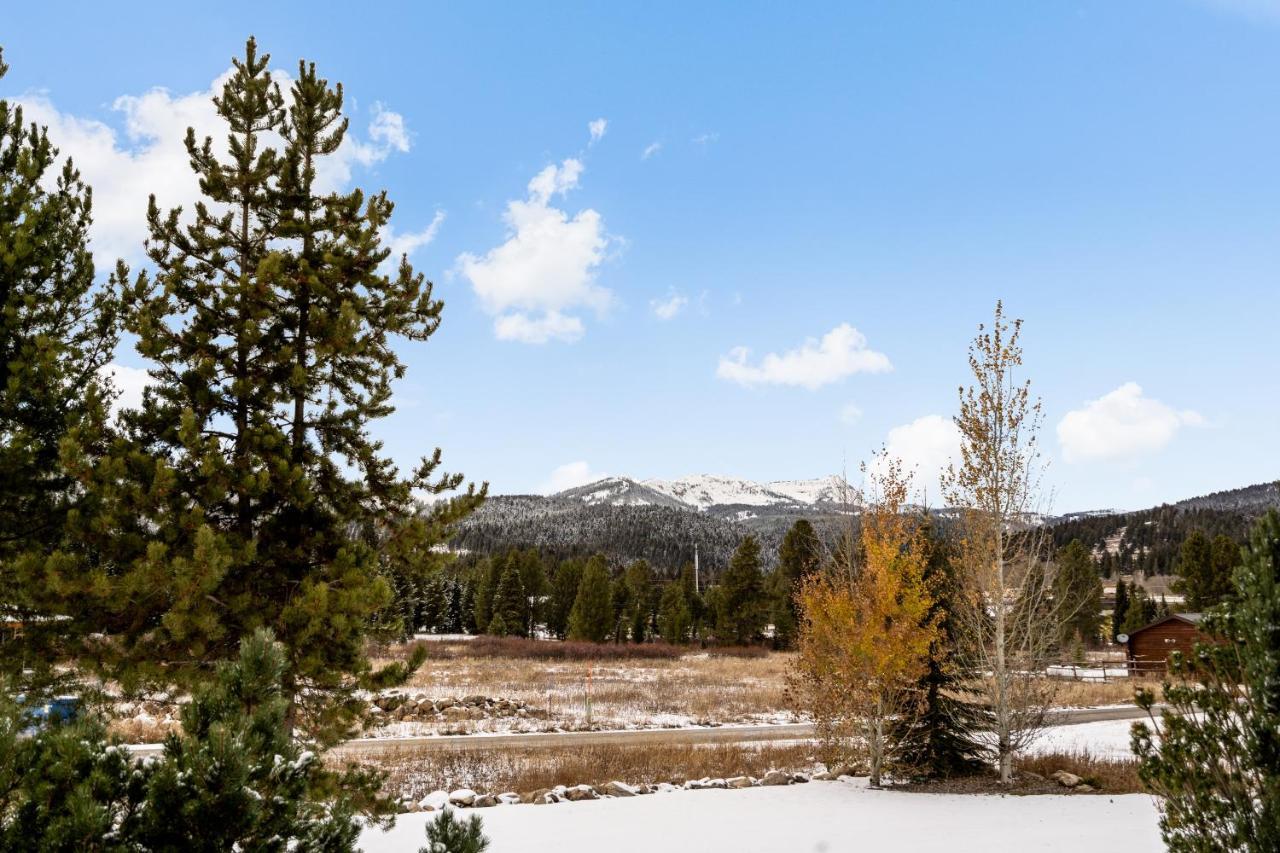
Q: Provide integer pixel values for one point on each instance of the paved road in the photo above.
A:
(722, 734)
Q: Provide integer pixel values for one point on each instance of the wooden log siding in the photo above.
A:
(1151, 645)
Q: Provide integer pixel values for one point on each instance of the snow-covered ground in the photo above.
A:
(831, 817)
(1107, 739)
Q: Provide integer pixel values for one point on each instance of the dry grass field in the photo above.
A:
(413, 773)
(694, 688)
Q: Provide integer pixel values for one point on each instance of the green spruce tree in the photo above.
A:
(1120, 610)
(799, 555)
(1216, 760)
(510, 604)
(743, 609)
(942, 739)
(675, 621)
(1204, 570)
(1077, 593)
(592, 617)
(562, 594)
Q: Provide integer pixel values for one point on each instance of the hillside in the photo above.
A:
(1148, 540)
(660, 521)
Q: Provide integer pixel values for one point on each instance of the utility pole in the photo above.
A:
(696, 586)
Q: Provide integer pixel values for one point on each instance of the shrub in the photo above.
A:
(447, 834)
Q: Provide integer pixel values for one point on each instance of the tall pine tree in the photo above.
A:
(248, 492)
(740, 618)
(592, 616)
(57, 332)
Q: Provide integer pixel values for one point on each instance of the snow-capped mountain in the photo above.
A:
(710, 492)
(620, 491)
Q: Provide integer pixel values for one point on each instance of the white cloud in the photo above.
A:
(408, 242)
(547, 265)
(552, 325)
(130, 382)
(850, 414)
(146, 154)
(841, 352)
(667, 309)
(650, 149)
(568, 476)
(1260, 10)
(705, 138)
(1121, 424)
(597, 129)
(926, 446)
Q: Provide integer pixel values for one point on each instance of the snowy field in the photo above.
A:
(822, 817)
(1108, 739)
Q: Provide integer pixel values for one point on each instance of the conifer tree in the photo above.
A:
(1121, 609)
(448, 834)
(564, 591)
(510, 604)
(57, 332)
(639, 581)
(232, 780)
(742, 611)
(693, 597)
(942, 737)
(592, 617)
(1216, 760)
(248, 492)
(675, 621)
(799, 555)
(1204, 570)
(1077, 589)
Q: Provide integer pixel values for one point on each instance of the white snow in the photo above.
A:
(833, 817)
(1107, 739)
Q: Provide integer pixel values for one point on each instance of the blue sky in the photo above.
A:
(848, 187)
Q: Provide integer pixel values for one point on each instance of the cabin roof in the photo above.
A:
(1192, 619)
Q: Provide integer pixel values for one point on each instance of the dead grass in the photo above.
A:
(696, 687)
(1107, 774)
(1087, 694)
(416, 773)
(134, 730)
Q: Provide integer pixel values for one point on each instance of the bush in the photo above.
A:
(235, 780)
(447, 834)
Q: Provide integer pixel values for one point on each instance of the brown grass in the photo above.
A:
(696, 687)
(1109, 775)
(1087, 694)
(415, 773)
(133, 730)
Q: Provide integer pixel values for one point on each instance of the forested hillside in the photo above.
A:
(1149, 540)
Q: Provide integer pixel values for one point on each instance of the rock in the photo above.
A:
(842, 770)
(738, 782)
(1084, 788)
(434, 801)
(665, 787)
(619, 789)
(387, 703)
(473, 700)
(776, 777)
(538, 796)
(455, 713)
(441, 704)
(509, 798)
(462, 797)
(410, 707)
(484, 801)
(822, 777)
(1065, 779)
(580, 792)
(800, 777)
